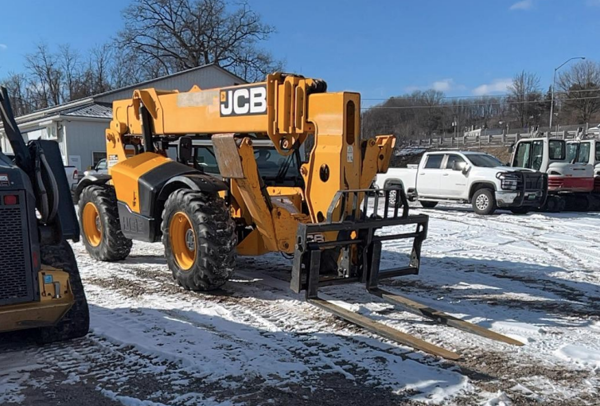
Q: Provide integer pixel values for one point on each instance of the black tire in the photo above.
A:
(484, 202)
(329, 262)
(428, 205)
(553, 204)
(393, 194)
(114, 246)
(76, 323)
(520, 210)
(214, 239)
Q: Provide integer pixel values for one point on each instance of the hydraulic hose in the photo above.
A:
(41, 192)
(53, 186)
(48, 209)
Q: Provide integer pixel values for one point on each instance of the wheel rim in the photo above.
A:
(392, 197)
(92, 226)
(183, 240)
(482, 202)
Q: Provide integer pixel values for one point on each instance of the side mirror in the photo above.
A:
(185, 150)
(466, 168)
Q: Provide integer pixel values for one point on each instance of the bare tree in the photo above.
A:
(525, 98)
(581, 86)
(174, 35)
(99, 69)
(17, 85)
(46, 76)
(70, 67)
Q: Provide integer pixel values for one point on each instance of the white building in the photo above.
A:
(79, 126)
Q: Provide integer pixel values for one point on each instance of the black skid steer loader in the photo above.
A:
(40, 287)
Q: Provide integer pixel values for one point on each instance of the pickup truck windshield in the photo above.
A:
(484, 161)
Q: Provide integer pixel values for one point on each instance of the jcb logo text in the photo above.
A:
(244, 101)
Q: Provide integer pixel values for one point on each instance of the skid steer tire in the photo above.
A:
(76, 322)
(105, 241)
(200, 239)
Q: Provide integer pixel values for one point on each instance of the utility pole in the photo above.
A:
(554, 85)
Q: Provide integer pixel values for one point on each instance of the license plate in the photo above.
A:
(531, 197)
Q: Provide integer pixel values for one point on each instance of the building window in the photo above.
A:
(51, 132)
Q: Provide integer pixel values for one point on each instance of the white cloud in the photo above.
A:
(3, 47)
(522, 5)
(443, 85)
(497, 86)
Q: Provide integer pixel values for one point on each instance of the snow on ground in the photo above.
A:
(534, 278)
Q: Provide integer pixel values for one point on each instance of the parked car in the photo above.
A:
(469, 177)
(101, 167)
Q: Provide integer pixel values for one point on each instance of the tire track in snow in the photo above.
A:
(274, 309)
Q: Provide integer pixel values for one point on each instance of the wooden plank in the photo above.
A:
(383, 330)
(441, 317)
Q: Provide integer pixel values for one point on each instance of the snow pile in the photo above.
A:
(580, 355)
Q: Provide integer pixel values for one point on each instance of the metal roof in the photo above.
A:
(90, 111)
(149, 83)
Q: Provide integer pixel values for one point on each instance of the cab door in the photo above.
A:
(429, 176)
(453, 182)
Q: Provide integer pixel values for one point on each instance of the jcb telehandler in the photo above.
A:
(40, 287)
(222, 196)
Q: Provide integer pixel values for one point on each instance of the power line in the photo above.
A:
(483, 96)
(442, 106)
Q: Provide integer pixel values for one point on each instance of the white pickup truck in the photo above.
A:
(469, 177)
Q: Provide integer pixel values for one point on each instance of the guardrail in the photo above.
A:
(489, 139)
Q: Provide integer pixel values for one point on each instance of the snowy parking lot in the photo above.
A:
(535, 278)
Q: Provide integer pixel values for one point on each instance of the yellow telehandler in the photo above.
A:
(220, 196)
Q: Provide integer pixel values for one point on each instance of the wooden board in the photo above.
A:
(441, 317)
(383, 330)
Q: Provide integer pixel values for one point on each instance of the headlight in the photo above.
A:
(508, 181)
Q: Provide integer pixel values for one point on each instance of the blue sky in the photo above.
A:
(380, 48)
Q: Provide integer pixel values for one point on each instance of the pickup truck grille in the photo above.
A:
(15, 269)
(533, 181)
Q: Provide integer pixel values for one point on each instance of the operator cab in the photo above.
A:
(531, 154)
(274, 168)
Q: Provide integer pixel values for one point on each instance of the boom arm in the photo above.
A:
(277, 108)
(285, 108)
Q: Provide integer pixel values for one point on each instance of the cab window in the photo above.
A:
(434, 161)
(206, 160)
(522, 155)
(584, 153)
(597, 151)
(537, 155)
(455, 160)
(557, 150)
(572, 151)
